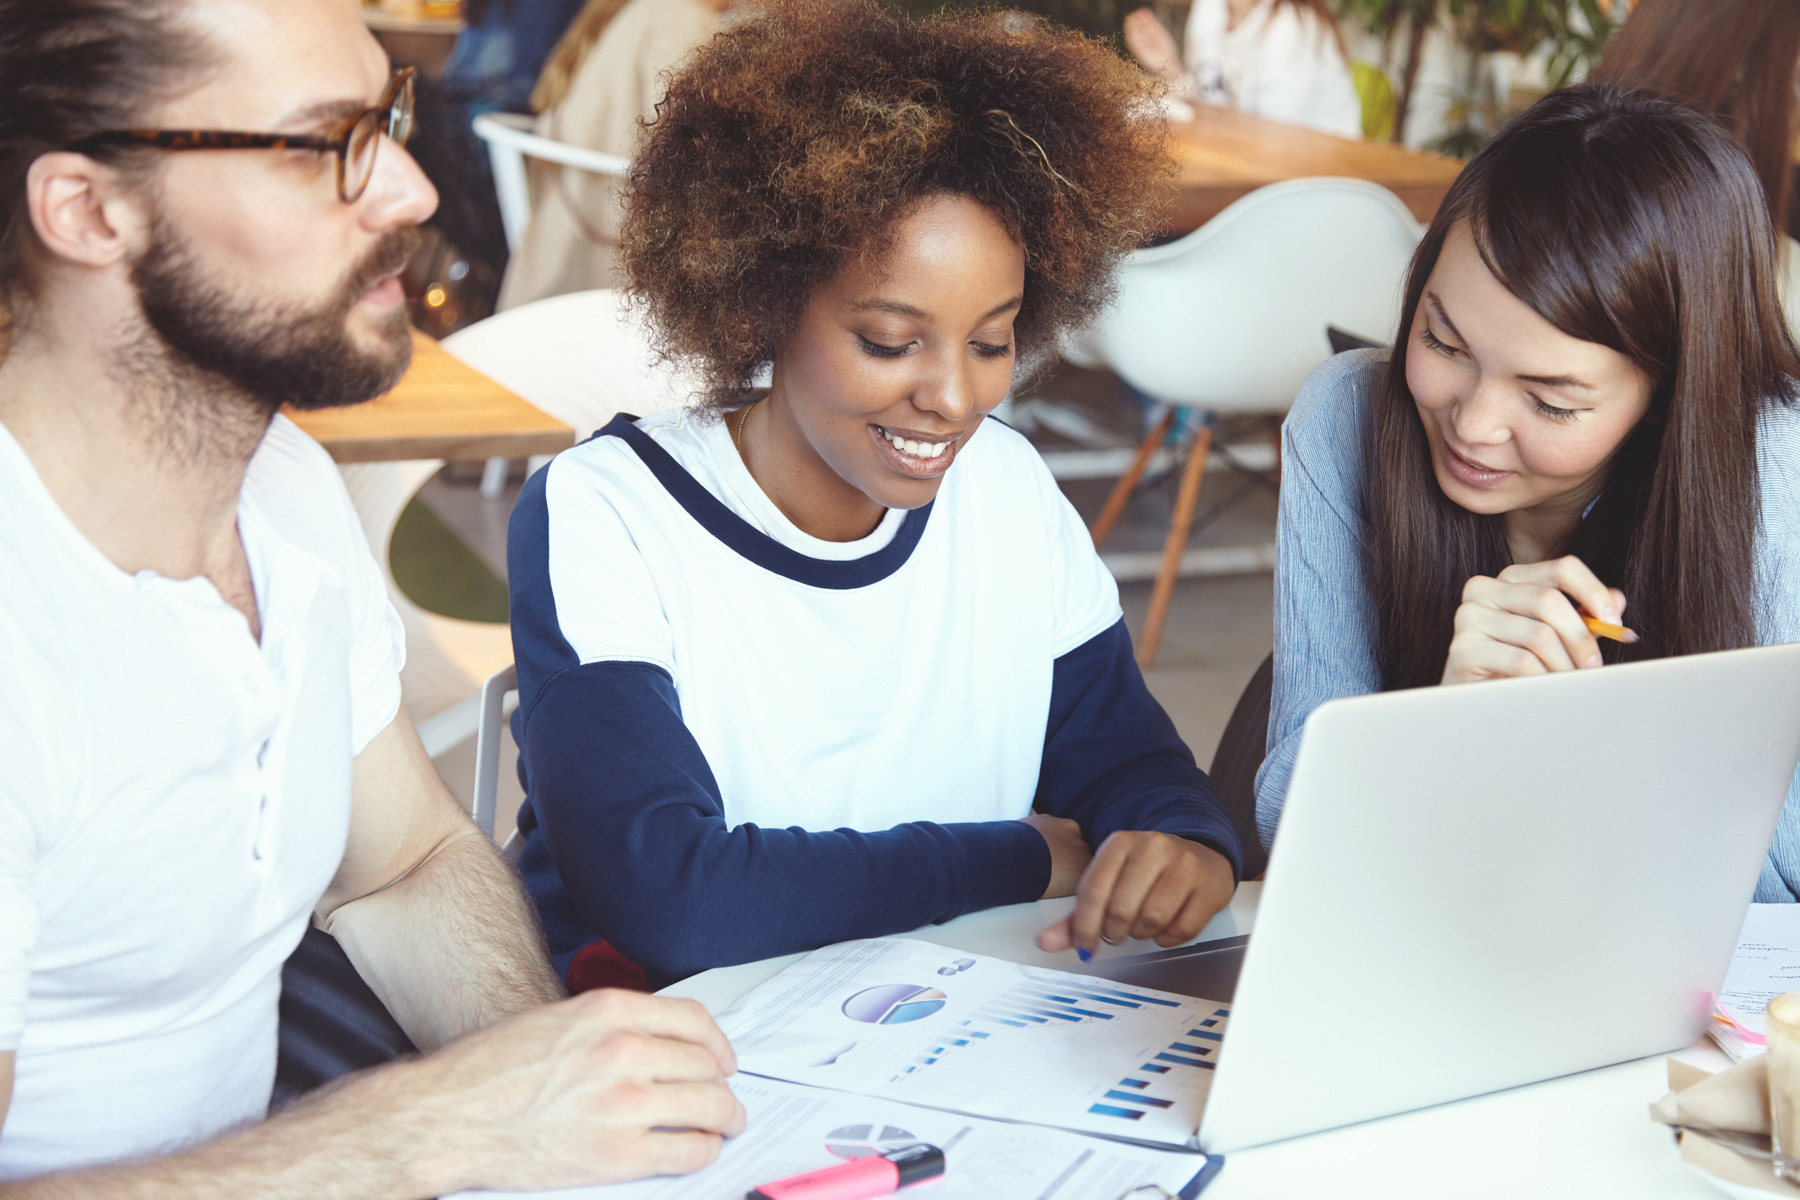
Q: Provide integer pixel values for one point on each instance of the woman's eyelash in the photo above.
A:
(1553, 412)
(990, 351)
(879, 350)
(1434, 342)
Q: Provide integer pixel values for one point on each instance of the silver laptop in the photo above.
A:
(1484, 886)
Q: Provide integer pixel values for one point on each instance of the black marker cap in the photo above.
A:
(917, 1163)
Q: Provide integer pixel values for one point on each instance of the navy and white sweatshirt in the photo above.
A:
(739, 741)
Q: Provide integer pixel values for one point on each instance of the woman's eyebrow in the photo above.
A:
(1557, 381)
(899, 308)
(1437, 310)
(890, 306)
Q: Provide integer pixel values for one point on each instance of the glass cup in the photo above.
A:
(1783, 1034)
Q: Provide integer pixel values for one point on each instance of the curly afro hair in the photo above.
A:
(801, 136)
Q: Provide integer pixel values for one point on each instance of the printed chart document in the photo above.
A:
(910, 1021)
(1767, 963)
(796, 1129)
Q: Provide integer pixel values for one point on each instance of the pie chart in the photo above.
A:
(894, 1004)
(860, 1141)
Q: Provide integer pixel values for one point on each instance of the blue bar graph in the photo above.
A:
(1184, 1060)
(1069, 1006)
(1139, 998)
(1136, 1083)
(1154, 1067)
(1221, 1012)
(1109, 1110)
(1210, 1022)
(1208, 1034)
(1187, 1049)
(1129, 1097)
(1015, 1017)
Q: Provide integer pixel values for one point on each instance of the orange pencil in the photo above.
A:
(1617, 633)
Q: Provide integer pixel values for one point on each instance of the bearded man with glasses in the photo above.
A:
(204, 209)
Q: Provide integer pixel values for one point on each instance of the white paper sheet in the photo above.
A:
(1767, 964)
(796, 1129)
(911, 1021)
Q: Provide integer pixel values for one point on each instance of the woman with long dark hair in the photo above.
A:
(1588, 410)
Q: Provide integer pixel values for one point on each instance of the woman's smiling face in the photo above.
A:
(1522, 418)
(895, 363)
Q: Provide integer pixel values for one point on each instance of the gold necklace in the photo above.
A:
(738, 438)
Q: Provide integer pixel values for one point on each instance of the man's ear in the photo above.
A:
(82, 210)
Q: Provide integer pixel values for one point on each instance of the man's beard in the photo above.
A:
(276, 354)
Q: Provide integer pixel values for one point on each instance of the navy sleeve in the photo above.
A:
(634, 825)
(1112, 758)
(637, 832)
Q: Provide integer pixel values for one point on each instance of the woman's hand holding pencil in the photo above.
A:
(1532, 619)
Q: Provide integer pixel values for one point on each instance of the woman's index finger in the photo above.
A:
(1578, 581)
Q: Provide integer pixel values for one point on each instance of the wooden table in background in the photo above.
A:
(415, 35)
(441, 408)
(1226, 154)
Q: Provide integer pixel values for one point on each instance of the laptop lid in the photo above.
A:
(1483, 886)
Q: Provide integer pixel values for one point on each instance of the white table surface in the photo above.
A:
(1586, 1135)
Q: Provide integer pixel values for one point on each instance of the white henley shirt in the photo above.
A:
(174, 799)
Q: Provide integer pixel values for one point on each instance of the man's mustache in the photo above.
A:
(386, 257)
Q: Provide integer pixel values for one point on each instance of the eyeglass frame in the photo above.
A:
(396, 123)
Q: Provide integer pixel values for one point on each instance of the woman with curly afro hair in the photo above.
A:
(841, 662)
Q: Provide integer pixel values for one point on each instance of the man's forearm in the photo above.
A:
(451, 948)
(367, 1138)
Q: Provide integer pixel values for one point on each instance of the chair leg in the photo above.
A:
(1115, 503)
(493, 478)
(1179, 524)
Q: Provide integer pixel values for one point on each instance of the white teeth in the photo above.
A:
(916, 449)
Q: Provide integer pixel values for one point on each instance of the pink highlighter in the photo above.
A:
(860, 1178)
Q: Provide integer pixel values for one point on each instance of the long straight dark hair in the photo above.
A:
(1627, 220)
(1734, 59)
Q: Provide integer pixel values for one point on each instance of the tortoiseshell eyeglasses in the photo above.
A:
(354, 142)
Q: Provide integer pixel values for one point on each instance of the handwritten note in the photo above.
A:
(1767, 963)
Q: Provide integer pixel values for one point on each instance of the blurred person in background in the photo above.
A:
(1736, 60)
(502, 49)
(1280, 59)
(601, 81)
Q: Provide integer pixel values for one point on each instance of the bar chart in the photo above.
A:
(986, 1037)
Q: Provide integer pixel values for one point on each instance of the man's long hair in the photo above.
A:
(69, 68)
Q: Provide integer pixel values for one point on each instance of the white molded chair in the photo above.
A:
(510, 141)
(583, 357)
(1232, 317)
(446, 659)
(499, 696)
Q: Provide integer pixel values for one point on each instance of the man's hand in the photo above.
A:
(605, 1087)
(1144, 885)
(1525, 622)
(1069, 852)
